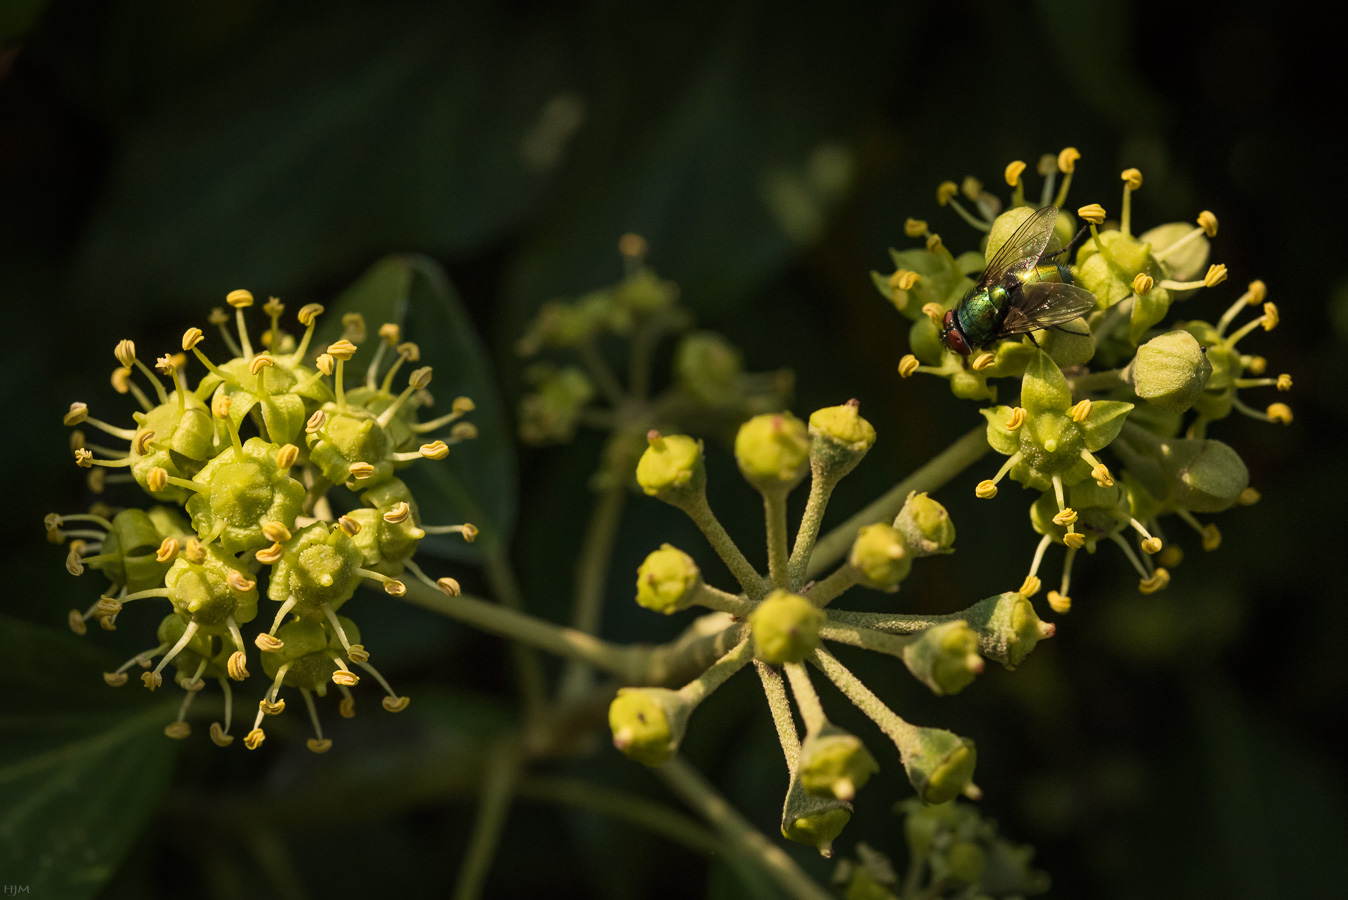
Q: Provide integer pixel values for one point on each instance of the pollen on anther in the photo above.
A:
(260, 362)
(1093, 213)
(470, 532)
(78, 413)
(904, 279)
(275, 531)
(1142, 284)
(1133, 178)
(434, 450)
(239, 299)
(239, 581)
(1030, 586)
(1013, 171)
(286, 456)
(394, 588)
(1081, 411)
(125, 351)
(254, 739)
(1280, 413)
(316, 421)
(449, 585)
(1151, 545)
(908, 365)
(1270, 319)
(1215, 275)
(349, 526)
(935, 312)
(985, 490)
(325, 363)
(1017, 419)
(168, 550)
(399, 513)
(157, 479)
(342, 349)
(914, 228)
(1284, 382)
(308, 312)
(983, 361)
(1208, 222)
(220, 406)
(361, 470)
(1074, 539)
(1059, 603)
(142, 442)
(946, 192)
(1067, 160)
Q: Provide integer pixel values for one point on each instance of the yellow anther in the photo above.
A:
(218, 736)
(986, 490)
(1171, 556)
(1142, 284)
(1156, 582)
(1030, 586)
(1012, 173)
(935, 312)
(156, 479)
(1074, 539)
(107, 623)
(1093, 213)
(933, 243)
(1047, 163)
(904, 280)
(342, 349)
(1102, 477)
(121, 379)
(239, 581)
(1151, 545)
(220, 406)
(1066, 517)
(316, 421)
(632, 245)
(361, 470)
(194, 552)
(141, 442)
(946, 192)
(399, 513)
(115, 679)
(108, 606)
(1059, 603)
(260, 362)
(192, 337)
(390, 333)
(462, 405)
(914, 228)
(463, 431)
(271, 709)
(168, 550)
(177, 730)
(1067, 160)
(276, 532)
(1208, 222)
(164, 364)
(270, 555)
(449, 585)
(1017, 418)
(395, 588)
(908, 365)
(125, 351)
(75, 565)
(325, 363)
(274, 307)
(1284, 382)
(353, 325)
(409, 351)
(254, 739)
(357, 654)
(347, 707)
(237, 667)
(1212, 537)
(268, 643)
(350, 527)
(83, 458)
(308, 312)
(286, 456)
(218, 316)
(1133, 178)
(76, 622)
(1216, 274)
(345, 678)
(396, 704)
(420, 378)
(470, 532)
(971, 187)
(1256, 365)
(151, 680)
(239, 299)
(1249, 497)
(77, 414)
(983, 361)
(319, 746)
(1081, 412)
(1258, 291)
(434, 450)
(1270, 319)
(1280, 413)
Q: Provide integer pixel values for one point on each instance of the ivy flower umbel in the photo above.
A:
(780, 620)
(259, 510)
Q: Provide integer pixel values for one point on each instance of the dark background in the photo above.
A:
(155, 155)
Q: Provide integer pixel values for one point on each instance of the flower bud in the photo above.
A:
(785, 628)
(1008, 627)
(926, 526)
(648, 723)
(814, 821)
(879, 552)
(671, 468)
(834, 763)
(939, 763)
(839, 438)
(1209, 476)
(668, 580)
(965, 861)
(773, 451)
(645, 293)
(1170, 371)
(707, 368)
(944, 657)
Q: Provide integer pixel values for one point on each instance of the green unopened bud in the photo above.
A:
(551, 413)
(707, 367)
(965, 861)
(671, 468)
(1209, 476)
(668, 580)
(839, 439)
(944, 657)
(926, 527)
(648, 723)
(834, 763)
(1170, 371)
(1071, 345)
(1008, 627)
(814, 821)
(785, 628)
(773, 451)
(881, 555)
(645, 293)
(940, 764)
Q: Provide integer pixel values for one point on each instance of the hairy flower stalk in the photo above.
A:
(244, 468)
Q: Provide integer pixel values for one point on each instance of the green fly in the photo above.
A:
(1021, 290)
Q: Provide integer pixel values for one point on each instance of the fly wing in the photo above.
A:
(1026, 244)
(1044, 304)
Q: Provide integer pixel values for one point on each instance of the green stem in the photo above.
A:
(821, 489)
(938, 471)
(591, 571)
(900, 732)
(693, 789)
(865, 638)
(828, 590)
(774, 512)
(723, 601)
(700, 512)
(498, 790)
(528, 667)
(780, 706)
(889, 623)
(602, 375)
(811, 710)
(698, 689)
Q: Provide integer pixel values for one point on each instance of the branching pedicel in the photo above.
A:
(260, 505)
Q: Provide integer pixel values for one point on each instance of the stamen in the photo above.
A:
(1132, 180)
(1067, 164)
(946, 192)
(983, 360)
(908, 365)
(344, 677)
(1030, 586)
(241, 300)
(1081, 411)
(153, 679)
(317, 744)
(254, 738)
(1093, 213)
(348, 704)
(350, 527)
(392, 703)
(273, 642)
(168, 550)
(355, 652)
(1158, 581)
(1012, 176)
(270, 555)
(1016, 420)
(1143, 284)
(914, 228)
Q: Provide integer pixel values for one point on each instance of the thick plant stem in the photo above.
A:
(780, 707)
(774, 512)
(697, 690)
(828, 590)
(528, 667)
(889, 623)
(700, 512)
(498, 791)
(591, 579)
(811, 710)
(939, 470)
(900, 732)
(865, 638)
(821, 489)
(714, 598)
(693, 789)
